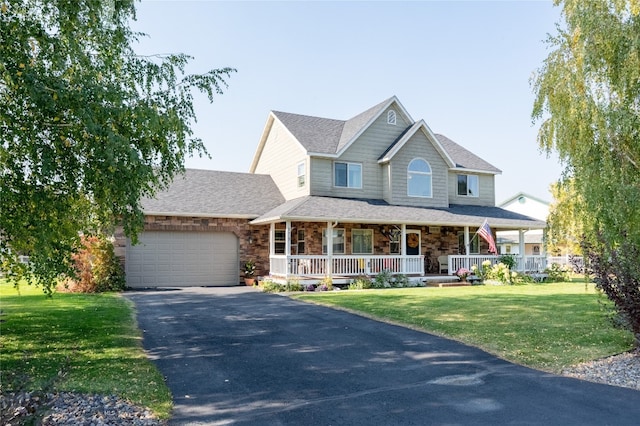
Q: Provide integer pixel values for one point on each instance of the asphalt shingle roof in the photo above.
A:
(314, 208)
(328, 136)
(210, 193)
(463, 157)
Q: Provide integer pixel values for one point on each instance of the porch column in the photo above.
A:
(467, 243)
(523, 264)
(272, 246)
(287, 239)
(272, 239)
(287, 246)
(403, 248)
(521, 242)
(329, 249)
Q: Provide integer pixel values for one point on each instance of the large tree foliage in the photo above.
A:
(588, 97)
(87, 127)
(564, 231)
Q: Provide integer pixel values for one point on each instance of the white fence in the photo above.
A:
(526, 264)
(353, 265)
(345, 265)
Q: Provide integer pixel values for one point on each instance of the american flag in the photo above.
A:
(485, 232)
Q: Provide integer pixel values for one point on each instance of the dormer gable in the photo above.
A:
(419, 126)
(357, 125)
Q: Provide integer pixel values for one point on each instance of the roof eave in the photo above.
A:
(199, 214)
(339, 219)
(465, 170)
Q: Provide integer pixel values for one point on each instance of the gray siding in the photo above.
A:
(280, 158)
(419, 147)
(365, 150)
(487, 190)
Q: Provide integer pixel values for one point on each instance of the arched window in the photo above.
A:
(391, 117)
(419, 178)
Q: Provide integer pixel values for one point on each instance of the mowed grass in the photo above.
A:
(86, 343)
(544, 326)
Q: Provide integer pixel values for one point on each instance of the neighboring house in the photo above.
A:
(509, 241)
(325, 197)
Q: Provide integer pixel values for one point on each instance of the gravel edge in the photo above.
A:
(66, 408)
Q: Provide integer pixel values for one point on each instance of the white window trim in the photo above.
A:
(367, 231)
(278, 241)
(302, 175)
(348, 163)
(430, 174)
(477, 178)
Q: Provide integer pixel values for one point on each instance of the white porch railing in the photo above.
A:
(523, 263)
(345, 265)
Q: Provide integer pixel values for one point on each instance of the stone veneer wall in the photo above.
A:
(436, 244)
(444, 242)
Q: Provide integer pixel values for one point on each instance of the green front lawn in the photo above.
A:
(545, 326)
(86, 343)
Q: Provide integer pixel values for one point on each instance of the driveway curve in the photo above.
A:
(238, 356)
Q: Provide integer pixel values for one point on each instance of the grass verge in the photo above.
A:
(544, 326)
(86, 343)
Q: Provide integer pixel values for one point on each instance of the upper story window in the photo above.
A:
(301, 174)
(419, 178)
(468, 185)
(347, 175)
(391, 117)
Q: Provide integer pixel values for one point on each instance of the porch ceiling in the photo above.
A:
(347, 210)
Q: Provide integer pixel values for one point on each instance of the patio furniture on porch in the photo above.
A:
(443, 262)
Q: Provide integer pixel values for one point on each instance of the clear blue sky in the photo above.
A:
(462, 66)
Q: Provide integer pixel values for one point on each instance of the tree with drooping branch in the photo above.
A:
(87, 127)
(588, 99)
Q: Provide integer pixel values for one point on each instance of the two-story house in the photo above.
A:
(326, 197)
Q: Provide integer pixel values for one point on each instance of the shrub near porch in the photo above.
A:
(545, 326)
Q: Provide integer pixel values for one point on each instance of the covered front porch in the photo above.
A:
(419, 259)
(347, 267)
(313, 238)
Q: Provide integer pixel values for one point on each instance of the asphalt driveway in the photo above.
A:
(238, 356)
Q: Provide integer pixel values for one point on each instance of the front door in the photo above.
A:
(413, 243)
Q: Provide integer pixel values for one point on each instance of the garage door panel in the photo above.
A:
(180, 259)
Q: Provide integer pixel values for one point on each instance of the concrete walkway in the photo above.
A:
(238, 356)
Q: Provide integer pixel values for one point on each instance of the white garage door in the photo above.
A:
(183, 259)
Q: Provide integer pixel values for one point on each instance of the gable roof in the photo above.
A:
(326, 136)
(464, 158)
(210, 193)
(348, 210)
(330, 137)
(523, 194)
